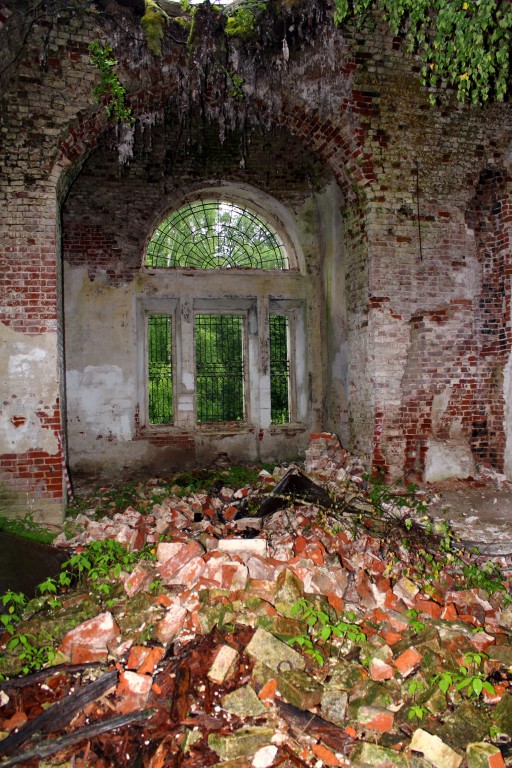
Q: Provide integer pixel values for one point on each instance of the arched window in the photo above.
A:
(214, 234)
(231, 341)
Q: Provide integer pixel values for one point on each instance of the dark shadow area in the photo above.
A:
(25, 564)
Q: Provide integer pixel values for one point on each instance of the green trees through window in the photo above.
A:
(160, 389)
(219, 362)
(219, 368)
(279, 369)
(212, 234)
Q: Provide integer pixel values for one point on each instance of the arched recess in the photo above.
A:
(108, 217)
(234, 340)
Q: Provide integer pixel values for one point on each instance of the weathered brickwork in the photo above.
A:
(402, 210)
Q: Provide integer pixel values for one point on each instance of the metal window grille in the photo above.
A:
(212, 234)
(279, 370)
(219, 368)
(160, 394)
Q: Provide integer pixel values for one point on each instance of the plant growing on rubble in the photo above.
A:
(390, 503)
(487, 576)
(14, 603)
(322, 628)
(415, 624)
(306, 644)
(49, 589)
(468, 677)
(105, 558)
(416, 710)
(31, 655)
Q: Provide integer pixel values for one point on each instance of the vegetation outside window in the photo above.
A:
(219, 368)
(211, 234)
(160, 389)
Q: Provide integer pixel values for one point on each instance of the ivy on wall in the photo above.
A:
(461, 43)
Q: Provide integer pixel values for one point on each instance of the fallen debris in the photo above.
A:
(344, 628)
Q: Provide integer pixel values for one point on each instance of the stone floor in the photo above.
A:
(480, 512)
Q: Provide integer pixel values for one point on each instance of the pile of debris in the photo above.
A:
(304, 621)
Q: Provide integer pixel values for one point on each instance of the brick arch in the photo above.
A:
(339, 145)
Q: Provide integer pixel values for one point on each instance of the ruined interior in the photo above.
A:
(394, 216)
(107, 220)
(255, 279)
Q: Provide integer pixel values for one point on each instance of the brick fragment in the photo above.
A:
(408, 661)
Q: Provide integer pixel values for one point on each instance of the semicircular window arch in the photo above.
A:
(215, 234)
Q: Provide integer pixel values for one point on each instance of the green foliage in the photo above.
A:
(27, 528)
(219, 368)
(323, 629)
(236, 82)
(160, 378)
(103, 559)
(14, 603)
(306, 644)
(487, 576)
(464, 43)
(154, 22)
(242, 22)
(30, 653)
(109, 90)
(415, 624)
(49, 588)
(416, 710)
(468, 677)
(385, 499)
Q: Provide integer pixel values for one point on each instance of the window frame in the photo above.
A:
(256, 345)
(255, 292)
(295, 311)
(147, 307)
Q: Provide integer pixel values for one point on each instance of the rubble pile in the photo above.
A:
(274, 625)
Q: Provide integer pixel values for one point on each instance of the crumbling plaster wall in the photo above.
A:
(416, 361)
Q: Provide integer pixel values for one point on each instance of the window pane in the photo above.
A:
(160, 369)
(279, 370)
(212, 234)
(219, 368)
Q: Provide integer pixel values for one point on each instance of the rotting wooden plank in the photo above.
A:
(181, 700)
(52, 746)
(44, 674)
(59, 714)
(306, 722)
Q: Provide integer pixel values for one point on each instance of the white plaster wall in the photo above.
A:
(28, 386)
(100, 370)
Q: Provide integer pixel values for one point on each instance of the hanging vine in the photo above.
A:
(461, 43)
(109, 91)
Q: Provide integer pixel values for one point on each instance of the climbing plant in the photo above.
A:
(109, 90)
(462, 43)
